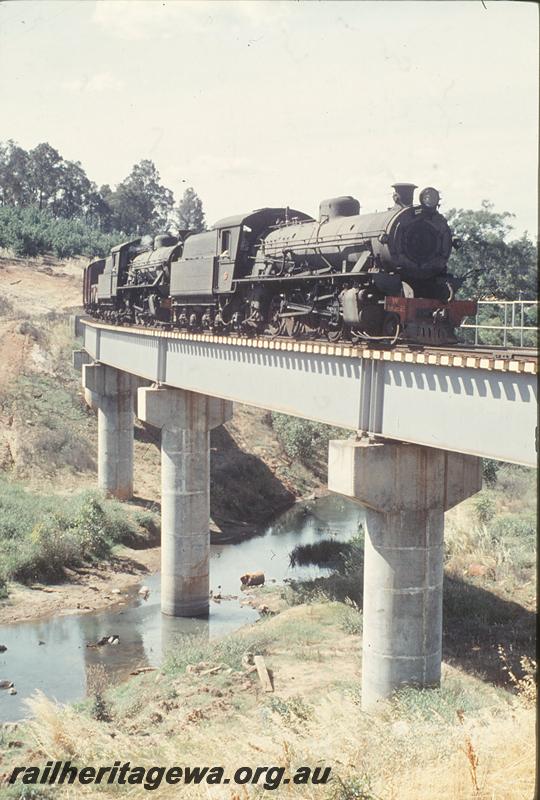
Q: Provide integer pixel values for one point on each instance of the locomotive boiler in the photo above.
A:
(277, 271)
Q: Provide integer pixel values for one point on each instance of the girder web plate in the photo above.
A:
(450, 404)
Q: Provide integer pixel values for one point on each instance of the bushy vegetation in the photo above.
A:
(30, 232)
(490, 264)
(42, 535)
(48, 204)
(343, 584)
(306, 441)
(496, 529)
(324, 553)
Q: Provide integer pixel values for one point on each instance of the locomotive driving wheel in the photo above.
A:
(334, 331)
(275, 323)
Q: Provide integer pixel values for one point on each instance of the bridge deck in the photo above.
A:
(478, 401)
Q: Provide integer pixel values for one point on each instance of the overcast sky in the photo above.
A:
(259, 104)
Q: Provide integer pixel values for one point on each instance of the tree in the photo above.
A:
(99, 211)
(74, 190)
(14, 177)
(492, 266)
(189, 212)
(140, 203)
(45, 165)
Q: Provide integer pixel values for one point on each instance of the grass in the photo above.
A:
(228, 651)
(52, 430)
(442, 743)
(41, 535)
(324, 553)
(496, 530)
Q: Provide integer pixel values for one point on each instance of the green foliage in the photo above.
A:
(229, 650)
(41, 535)
(489, 264)
(293, 710)
(48, 204)
(429, 705)
(324, 553)
(490, 468)
(189, 212)
(304, 440)
(140, 202)
(343, 585)
(514, 528)
(31, 232)
(484, 507)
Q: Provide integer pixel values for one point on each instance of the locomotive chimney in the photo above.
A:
(403, 193)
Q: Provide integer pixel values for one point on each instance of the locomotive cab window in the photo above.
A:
(225, 243)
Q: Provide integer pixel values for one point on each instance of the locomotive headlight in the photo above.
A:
(429, 197)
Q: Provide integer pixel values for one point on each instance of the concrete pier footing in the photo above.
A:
(185, 419)
(405, 489)
(109, 392)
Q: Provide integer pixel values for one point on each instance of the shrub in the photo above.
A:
(344, 585)
(31, 232)
(484, 507)
(514, 528)
(490, 468)
(304, 440)
(42, 535)
(324, 553)
(97, 683)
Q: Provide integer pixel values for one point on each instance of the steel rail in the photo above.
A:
(490, 358)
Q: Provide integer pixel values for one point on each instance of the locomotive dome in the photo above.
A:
(345, 206)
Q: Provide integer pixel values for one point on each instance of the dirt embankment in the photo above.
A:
(83, 590)
(48, 437)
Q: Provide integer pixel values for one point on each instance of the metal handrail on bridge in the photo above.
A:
(512, 314)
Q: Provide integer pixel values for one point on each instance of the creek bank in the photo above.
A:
(114, 582)
(105, 585)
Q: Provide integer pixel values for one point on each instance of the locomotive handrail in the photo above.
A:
(512, 312)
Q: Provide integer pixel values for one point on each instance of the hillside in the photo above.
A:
(48, 436)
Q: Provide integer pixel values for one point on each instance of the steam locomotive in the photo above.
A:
(279, 272)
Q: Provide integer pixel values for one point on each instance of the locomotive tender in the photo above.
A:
(277, 271)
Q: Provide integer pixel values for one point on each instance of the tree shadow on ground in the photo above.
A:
(476, 622)
(244, 493)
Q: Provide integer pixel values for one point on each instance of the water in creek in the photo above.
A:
(59, 665)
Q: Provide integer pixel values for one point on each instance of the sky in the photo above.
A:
(283, 103)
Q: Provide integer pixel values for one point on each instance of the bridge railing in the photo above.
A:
(503, 323)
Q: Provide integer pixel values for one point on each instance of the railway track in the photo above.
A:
(459, 355)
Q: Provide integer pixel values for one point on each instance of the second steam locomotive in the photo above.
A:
(279, 272)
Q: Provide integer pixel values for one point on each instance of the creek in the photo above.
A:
(51, 654)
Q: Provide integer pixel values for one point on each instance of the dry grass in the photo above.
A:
(445, 744)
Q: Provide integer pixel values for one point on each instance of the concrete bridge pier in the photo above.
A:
(109, 391)
(185, 419)
(406, 489)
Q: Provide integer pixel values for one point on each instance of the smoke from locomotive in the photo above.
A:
(279, 272)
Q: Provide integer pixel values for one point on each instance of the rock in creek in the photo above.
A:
(108, 639)
(252, 579)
